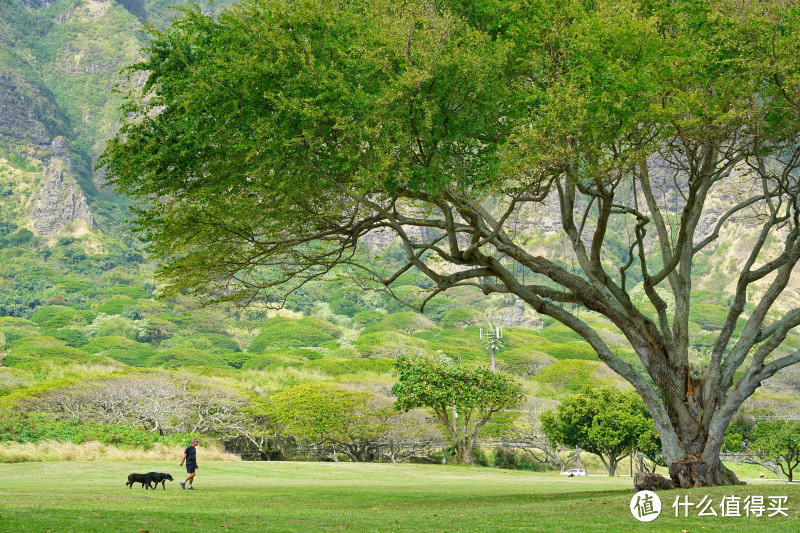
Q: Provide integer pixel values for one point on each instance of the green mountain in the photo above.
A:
(78, 301)
(60, 63)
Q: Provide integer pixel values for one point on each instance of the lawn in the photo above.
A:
(277, 496)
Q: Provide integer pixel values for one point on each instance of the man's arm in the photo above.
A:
(182, 460)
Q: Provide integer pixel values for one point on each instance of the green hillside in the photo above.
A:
(82, 316)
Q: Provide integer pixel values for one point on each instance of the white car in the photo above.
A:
(575, 472)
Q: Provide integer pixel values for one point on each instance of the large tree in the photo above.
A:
(269, 141)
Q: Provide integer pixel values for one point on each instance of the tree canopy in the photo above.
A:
(463, 400)
(322, 414)
(776, 442)
(607, 422)
(270, 140)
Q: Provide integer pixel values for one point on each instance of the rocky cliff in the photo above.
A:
(60, 63)
(61, 202)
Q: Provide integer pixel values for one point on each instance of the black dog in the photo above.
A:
(139, 478)
(157, 477)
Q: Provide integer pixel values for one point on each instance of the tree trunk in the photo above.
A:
(694, 471)
(612, 466)
(466, 452)
(692, 451)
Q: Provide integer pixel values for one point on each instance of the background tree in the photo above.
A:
(161, 403)
(276, 136)
(475, 394)
(327, 417)
(527, 435)
(776, 442)
(606, 422)
(411, 435)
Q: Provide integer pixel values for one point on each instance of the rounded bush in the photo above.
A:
(72, 337)
(55, 354)
(335, 367)
(117, 305)
(461, 317)
(408, 322)
(368, 318)
(210, 342)
(289, 334)
(178, 357)
(272, 360)
(56, 316)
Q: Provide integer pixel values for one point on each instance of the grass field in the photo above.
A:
(92, 497)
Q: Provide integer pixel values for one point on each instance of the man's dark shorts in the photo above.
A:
(190, 469)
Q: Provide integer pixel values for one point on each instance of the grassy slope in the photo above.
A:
(274, 496)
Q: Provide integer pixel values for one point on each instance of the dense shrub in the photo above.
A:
(439, 305)
(521, 338)
(236, 359)
(117, 305)
(157, 330)
(512, 459)
(35, 428)
(289, 334)
(559, 343)
(56, 354)
(273, 360)
(570, 376)
(336, 367)
(321, 325)
(178, 357)
(559, 333)
(74, 285)
(461, 345)
(408, 322)
(56, 316)
(13, 334)
(100, 344)
(461, 317)
(346, 303)
(210, 342)
(569, 350)
(132, 356)
(368, 318)
(122, 349)
(21, 237)
(389, 344)
(72, 337)
(38, 341)
(11, 321)
(523, 362)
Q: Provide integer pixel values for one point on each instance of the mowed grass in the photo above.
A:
(279, 496)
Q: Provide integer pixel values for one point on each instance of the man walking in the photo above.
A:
(190, 457)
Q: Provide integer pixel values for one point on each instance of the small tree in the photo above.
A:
(474, 394)
(778, 442)
(606, 422)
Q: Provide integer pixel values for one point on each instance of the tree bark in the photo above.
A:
(696, 462)
(694, 471)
